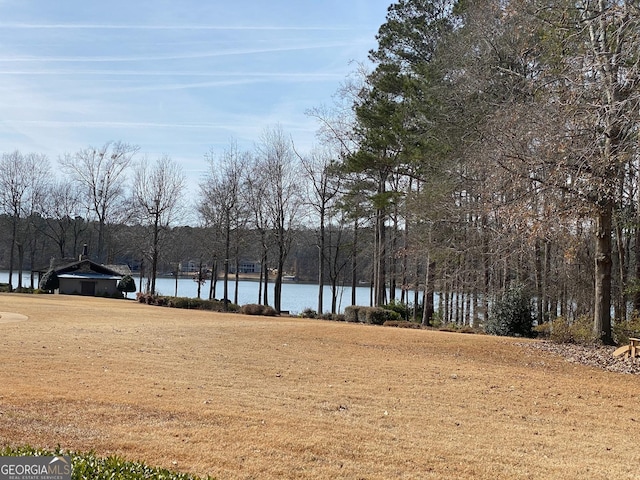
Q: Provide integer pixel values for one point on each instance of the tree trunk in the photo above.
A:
(155, 253)
(636, 296)
(354, 264)
(227, 253)
(20, 263)
(237, 276)
(214, 279)
(428, 298)
(277, 287)
(602, 291)
(321, 248)
(175, 291)
(379, 278)
(265, 278)
(12, 249)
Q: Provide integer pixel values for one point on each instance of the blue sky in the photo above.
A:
(180, 78)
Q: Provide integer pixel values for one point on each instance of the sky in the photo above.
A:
(180, 78)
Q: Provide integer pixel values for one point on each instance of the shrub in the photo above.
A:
(402, 309)
(126, 284)
(511, 314)
(351, 313)
(255, 309)
(401, 324)
(379, 315)
(4, 287)
(147, 298)
(562, 330)
(89, 465)
(309, 313)
(268, 311)
(196, 304)
(161, 301)
(436, 320)
(24, 290)
(251, 309)
(178, 302)
(370, 315)
(50, 281)
(623, 330)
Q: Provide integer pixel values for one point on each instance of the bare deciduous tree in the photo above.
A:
(64, 216)
(222, 204)
(101, 172)
(324, 185)
(283, 196)
(157, 191)
(22, 182)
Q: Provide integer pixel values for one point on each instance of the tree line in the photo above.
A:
(486, 144)
(495, 143)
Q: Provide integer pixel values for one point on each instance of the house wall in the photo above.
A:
(72, 286)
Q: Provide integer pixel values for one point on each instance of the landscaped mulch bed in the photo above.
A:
(591, 355)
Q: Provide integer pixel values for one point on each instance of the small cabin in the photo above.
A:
(88, 278)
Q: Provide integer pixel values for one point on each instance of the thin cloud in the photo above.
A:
(288, 76)
(196, 75)
(111, 124)
(98, 26)
(181, 56)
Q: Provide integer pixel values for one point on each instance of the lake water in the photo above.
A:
(296, 297)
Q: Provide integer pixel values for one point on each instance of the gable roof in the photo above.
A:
(85, 268)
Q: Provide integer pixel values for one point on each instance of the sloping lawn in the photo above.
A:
(239, 397)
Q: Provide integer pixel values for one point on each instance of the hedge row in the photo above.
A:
(256, 309)
(187, 303)
(370, 315)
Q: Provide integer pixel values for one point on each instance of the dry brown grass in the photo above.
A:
(241, 397)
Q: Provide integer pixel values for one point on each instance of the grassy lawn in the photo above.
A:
(239, 397)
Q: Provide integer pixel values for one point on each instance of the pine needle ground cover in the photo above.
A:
(242, 397)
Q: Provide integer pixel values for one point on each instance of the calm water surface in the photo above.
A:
(296, 297)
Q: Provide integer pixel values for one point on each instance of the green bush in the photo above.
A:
(379, 315)
(4, 287)
(402, 309)
(126, 285)
(90, 466)
(50, 281)
(511, 314)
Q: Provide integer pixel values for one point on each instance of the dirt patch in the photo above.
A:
(7, 317)
(240, 397)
